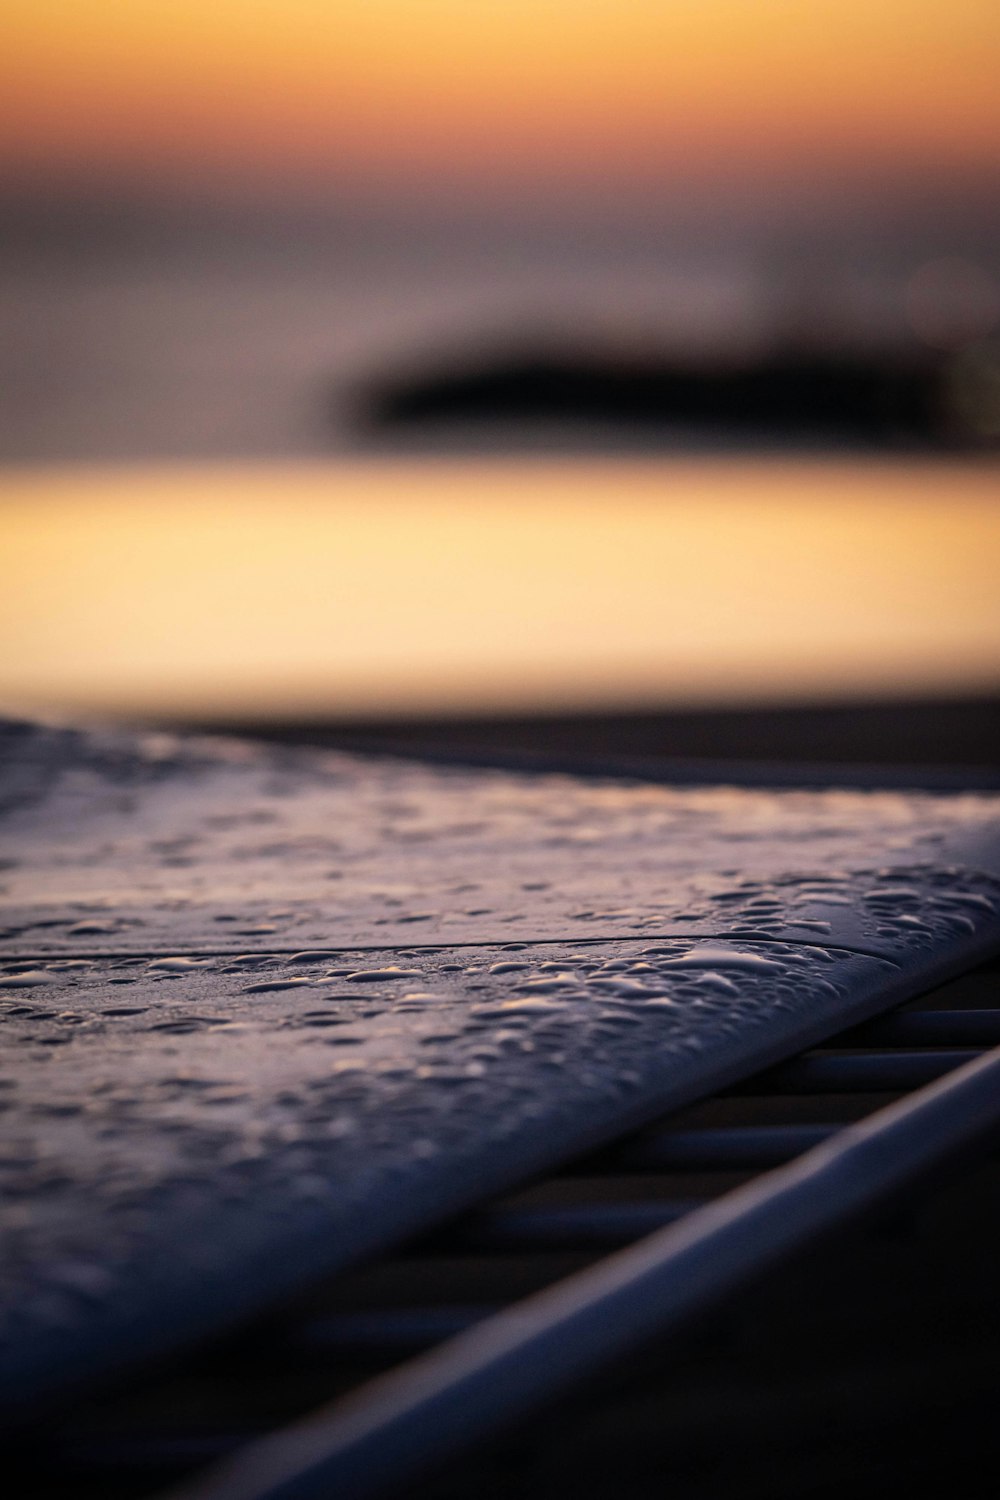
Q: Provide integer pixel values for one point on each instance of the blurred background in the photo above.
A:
(576, 379)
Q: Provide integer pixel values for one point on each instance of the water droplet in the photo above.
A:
(620, 985)
(179, 965)
(298, 982)
(717, 958)
(375, 976)
(717, 982)
(553, 982)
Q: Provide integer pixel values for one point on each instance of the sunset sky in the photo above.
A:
(479, 93)
(840, 159)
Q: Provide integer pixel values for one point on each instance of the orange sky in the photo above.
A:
(522, 90)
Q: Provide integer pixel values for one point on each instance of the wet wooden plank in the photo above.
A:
(264, 1012)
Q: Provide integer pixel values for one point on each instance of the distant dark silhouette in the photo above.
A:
(891, 399)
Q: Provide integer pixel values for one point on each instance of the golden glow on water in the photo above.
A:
(387, 587)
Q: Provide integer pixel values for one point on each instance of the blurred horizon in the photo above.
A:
(230, 234)
(219, 223)
(178, 329)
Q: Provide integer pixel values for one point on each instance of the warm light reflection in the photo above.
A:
(386, 588)
(525, 86)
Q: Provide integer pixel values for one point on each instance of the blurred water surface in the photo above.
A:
(391, 586)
